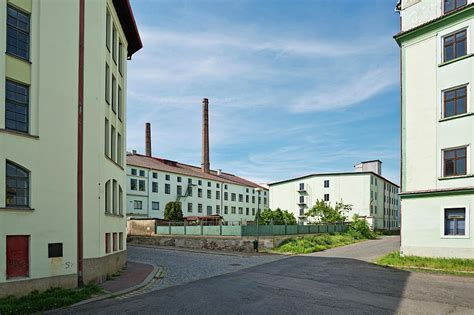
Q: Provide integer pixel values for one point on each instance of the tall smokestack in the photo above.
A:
(205, 136)
(148, 139)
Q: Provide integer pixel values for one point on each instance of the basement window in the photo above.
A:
(55, 250)
(455, 221)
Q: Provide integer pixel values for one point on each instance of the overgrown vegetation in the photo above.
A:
(323, 212)
(357, 231)
(53, 298)
(173, 211)
(276, 217)
(445, 265)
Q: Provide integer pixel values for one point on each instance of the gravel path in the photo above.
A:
(185, 266)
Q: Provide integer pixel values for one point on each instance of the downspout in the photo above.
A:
(80, 144)
(401, 126)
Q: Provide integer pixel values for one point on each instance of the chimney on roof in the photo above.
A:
(148, 139)
(205, 165)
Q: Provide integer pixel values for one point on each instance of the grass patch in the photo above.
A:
(317, 243)
(445, 265)
(50, 299)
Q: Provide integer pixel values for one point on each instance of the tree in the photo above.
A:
(359, 227)
(173, 211)
(277, 217)
(324, 213)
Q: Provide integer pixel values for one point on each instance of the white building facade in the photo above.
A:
(371, 195)
(153, 182)
(437, 182)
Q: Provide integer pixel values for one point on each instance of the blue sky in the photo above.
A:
(294, 87)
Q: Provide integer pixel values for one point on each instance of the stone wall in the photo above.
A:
(224, 243)
(23, 287)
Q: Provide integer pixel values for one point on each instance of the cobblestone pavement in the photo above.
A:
(180, 266)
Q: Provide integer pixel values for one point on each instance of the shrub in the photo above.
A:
(173, 211)
(324, 213)
(359, 228)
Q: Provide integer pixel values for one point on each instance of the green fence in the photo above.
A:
(249, 230)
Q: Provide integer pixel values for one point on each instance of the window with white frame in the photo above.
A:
(455, 221)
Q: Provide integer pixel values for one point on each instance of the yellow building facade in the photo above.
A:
(62, 140)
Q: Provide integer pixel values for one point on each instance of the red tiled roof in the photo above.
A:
(127, 20)
(185, 169)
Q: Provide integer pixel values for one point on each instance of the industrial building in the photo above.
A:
(62, 140)
(437, 127)
(152, 182)
(371, 196)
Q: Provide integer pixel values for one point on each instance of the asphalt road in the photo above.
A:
(338, 281)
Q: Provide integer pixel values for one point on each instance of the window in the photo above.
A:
(301, 211)
(167, 177)
(199, 182)
(218, 185)
(179, 190)
(226, 195)
(200, 207)
(218, 209)
(121, 241)
(226, 209)
(114, 94)
(209, 194)
(451, 5)
(326, 184)
(326, 197)
(16, 106)
(247, 198)
(155, 175)
(190, 207)
(246, 190)
(154, 187)
(18, 33)
(55, 250)
(455, 102)
(209, 184)
(142, 173)
(107, 83)
(218, 195)
(114, 196)
(178, 179)
(190, 181)
(454, 46)
(200, 192)
(190, 191)
(241, 210)
(120, 200)
(106, 140)
(233, 197)
(209, 210)
(455, 221)
(107, 197)
(134, 171)
(155, 205)
(112, 143)
(137, 204)
(253, 199)
(133, 184)
(455, 162)
(107, 243)
(120, 56)
(253, 211)
(17, 186)
(119, 103)
(225, 186)
(241, 198)
(119, 149)
(247, 211)
(264, 200)
(114, 44)
(141, 185)
(167, 189)
(301, 199)
(301, 186)
(114, 241)
(107, 30)
(232, 210)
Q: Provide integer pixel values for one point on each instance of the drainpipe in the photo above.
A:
(80, 143)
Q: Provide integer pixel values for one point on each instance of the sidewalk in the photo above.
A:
(129, 279)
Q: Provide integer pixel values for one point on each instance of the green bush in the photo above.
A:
(317, 243)
(173, 211)
(359, 228)
(277, 217)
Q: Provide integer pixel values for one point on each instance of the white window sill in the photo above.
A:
(455, 237)
(455, 117)
(456, 177)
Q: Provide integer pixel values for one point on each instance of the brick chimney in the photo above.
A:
(205, 136)
(148, 139)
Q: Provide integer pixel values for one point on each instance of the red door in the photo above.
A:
(18, 260)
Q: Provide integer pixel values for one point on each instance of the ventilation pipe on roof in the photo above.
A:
(148, 139)
(219, 172)
(205, 164)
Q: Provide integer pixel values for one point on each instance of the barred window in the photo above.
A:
(18, 186)
(16, 106)
(18, 33)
